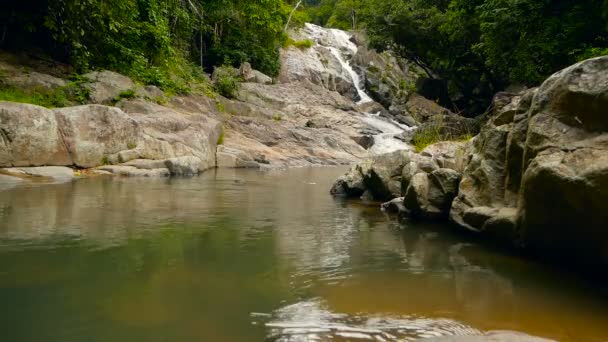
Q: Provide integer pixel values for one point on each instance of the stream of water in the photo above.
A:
(338, 42)
(239, 255)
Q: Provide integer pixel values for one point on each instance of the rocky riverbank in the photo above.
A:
(317, 112)
(535, 177)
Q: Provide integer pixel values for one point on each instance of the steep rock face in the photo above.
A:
(388, 79)
(538, 172)
(321, 64)
(490, 181)
(564, 191)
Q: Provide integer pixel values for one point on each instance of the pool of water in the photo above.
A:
(239, 255)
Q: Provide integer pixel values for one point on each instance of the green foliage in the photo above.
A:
(227, 81)
(482, 46)
(9, 93)
(435, 133)
(72, 93)
(277, 117)
(157, 42)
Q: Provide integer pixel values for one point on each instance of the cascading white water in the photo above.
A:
(386, 141)
(340, 45)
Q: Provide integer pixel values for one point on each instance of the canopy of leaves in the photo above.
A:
(478, 46)
(150, 40)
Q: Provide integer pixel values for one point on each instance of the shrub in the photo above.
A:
(226, 81)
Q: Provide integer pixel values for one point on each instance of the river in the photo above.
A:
(238, 255)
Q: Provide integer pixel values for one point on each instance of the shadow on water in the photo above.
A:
(247, 256)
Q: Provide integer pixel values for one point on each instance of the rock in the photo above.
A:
(8, 182)
(394, 206)
(366, 141)
(146, 164)
(251, 75)
(382, 174)
(57, 173)
(430, 195)
(566, 161)
(184, 166)
(169, 133)
(350, 185)
(131, 171)
(35, 81)
(318, 64)
(106, 86)
(537, 174)
(492, 336)
(448, 154)
(29, 136)
(93, 132)
(388, 79)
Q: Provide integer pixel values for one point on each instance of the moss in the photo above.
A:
(373, 69)
(49, 99)
(277, 117)
(300, 44)
(131, 145)
(221, 137)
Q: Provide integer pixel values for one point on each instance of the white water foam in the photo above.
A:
(340, 45)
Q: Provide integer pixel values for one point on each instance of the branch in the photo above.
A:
(291, 14)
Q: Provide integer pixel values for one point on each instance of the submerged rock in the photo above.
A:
(57, 173)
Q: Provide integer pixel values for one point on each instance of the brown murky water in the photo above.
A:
(248, 256)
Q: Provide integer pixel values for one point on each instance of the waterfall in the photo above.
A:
(341, 47)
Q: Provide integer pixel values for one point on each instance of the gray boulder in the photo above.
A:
(566, 165)
(106, 86)
(185, 166)
(251, 75)
(30, 136)
(93, 132)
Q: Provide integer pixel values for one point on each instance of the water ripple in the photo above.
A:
(311, 320)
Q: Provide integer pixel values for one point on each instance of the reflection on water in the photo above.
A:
(247, 256)
(310, 321)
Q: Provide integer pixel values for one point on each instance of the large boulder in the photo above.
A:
(107, 86)
(30, 136)
(93, 132)
(564, 190)
(537, 174)
(379, 176)
(169, 133)
(251, 75)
